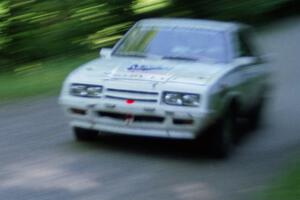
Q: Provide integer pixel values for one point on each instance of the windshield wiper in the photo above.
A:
(132, 54)
(179, 58)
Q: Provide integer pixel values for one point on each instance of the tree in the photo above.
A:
(4, 36)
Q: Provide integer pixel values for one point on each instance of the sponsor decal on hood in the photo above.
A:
(153, 71)
(146, 68)
(142, 72)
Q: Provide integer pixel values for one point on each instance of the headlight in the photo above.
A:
(83, 90)
(181, 99)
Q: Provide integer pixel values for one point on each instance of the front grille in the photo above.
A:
(138, 96)
(133, 118)
(135, 99)
(132, 91)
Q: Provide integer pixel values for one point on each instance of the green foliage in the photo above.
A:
(35, 29)
(286, 187)
(4, 22)
(4, 36)
(38, 78)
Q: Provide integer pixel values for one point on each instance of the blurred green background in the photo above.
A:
(36, 29)
(41, 41)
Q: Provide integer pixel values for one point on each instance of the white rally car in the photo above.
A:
(172, 78)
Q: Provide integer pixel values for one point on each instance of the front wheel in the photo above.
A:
(224, 135)
(255, 115)
(84, 135)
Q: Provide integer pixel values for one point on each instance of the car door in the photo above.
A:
(251, 67)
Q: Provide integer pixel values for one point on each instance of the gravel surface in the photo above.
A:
(40, 160)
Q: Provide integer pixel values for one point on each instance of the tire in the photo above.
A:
(224, 135)
(255, 115)
(84, 135)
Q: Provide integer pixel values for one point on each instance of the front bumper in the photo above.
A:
(138, 119)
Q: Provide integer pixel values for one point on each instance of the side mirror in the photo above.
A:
(105, 52)
(246, 60)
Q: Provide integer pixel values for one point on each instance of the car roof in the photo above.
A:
(192, 23)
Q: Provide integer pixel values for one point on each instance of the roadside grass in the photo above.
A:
(287, 187)
(39, 78)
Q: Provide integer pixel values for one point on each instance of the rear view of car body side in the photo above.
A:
(169, 78)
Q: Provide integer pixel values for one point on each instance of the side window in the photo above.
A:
(245, 48)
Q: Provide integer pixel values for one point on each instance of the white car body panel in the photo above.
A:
(149, 116)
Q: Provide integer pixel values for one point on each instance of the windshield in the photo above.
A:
(174, 43)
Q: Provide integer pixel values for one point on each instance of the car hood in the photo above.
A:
(150, 70)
